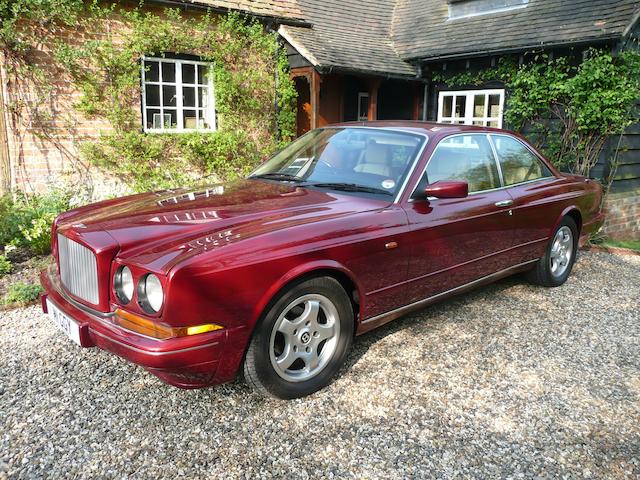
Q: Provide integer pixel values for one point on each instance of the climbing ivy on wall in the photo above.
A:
(569, 108)
(255, 98)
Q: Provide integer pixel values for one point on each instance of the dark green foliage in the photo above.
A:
(21, 294)
(255, 98)
(226, 154)
(570, 110)
(27, 220)
(5, 265)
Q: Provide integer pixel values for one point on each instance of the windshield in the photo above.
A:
(368, 160)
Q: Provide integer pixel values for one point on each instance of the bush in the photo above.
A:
(21, 294)
(225, 154)
(5, 265)
(27, 219)
(37, 235)
(144, 162)
(10, 223)
(154, 162)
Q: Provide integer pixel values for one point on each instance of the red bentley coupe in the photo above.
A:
(347, 228)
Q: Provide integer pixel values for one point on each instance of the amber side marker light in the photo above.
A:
(137, 324)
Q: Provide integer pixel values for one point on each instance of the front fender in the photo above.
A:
(297, 272)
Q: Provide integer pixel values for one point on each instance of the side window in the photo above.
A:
(465, 157)
(517, 162)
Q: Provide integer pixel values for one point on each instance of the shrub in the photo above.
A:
(27, 219)
(225, 154)
(145, 162)
(5, 265)
(21, 294)
(10, 224)
(37, 235)
(153, 162)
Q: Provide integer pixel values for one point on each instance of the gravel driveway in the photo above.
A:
(508, 381)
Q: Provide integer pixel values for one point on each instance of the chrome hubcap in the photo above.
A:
(561, 251)
(304, 338)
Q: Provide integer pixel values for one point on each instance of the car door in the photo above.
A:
(532, 186)
(458, 240)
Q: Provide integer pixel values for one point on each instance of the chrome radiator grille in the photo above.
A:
(78, 269)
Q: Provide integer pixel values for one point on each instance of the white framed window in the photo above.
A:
(363, 106)
(177, 95)
(472, 107)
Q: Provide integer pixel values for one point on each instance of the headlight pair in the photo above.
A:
(150, 294)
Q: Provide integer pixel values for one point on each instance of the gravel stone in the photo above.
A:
(509, 381)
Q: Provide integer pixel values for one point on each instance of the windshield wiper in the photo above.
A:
(279, 176)
(350, 187)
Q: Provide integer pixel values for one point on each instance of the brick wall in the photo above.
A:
(43, 127)
(623, 216)
(44, 138)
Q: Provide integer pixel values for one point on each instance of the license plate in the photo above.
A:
(64, 322)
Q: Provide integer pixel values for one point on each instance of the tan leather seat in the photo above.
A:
(376, 160)
(515, 171)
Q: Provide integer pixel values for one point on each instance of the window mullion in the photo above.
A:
(144, 95)
(179, 112)
(211, 100)
(485, 120)
(468, 114)
(160, 79)
(196, 87)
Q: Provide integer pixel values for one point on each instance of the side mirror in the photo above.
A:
(447, 189)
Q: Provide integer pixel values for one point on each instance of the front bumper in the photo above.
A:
(188, 362)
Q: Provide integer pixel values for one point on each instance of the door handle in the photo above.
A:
(504, 203)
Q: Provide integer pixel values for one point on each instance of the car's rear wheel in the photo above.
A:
(553, 269)
(302, 340)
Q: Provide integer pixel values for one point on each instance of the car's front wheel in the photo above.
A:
(553, 269)
(302, 340)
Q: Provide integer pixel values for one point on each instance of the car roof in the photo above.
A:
(421, 127)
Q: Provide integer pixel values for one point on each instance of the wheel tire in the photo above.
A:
(262, 370)
(543, 273)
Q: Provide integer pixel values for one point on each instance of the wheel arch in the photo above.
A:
(574, 213)
(299, 274)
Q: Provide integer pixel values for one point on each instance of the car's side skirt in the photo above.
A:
(378, 320)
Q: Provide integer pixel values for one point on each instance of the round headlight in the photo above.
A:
(123, 284)
(150, 293)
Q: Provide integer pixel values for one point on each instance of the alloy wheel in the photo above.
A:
(304, 338)
(561, 251)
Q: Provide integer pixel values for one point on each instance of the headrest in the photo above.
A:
(376, 153)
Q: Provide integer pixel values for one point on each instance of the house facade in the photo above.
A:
(350, 61)
(41, 127)
(386, 59)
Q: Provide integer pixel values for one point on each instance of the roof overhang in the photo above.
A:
(224, 10)
(519, 49)
(284, 33)
(370, 73)
(327, 69)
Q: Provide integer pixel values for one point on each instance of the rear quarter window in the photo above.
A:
(465, 157)
(517, 162)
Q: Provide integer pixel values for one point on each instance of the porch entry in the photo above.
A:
(333, 98)
(375, 99)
